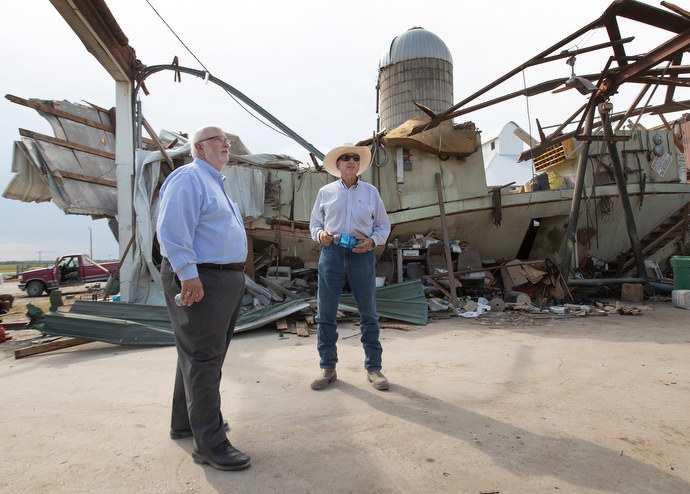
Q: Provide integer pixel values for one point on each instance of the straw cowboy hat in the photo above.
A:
(330, 161)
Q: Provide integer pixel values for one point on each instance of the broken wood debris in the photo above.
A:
(302, 328)
(49, 347)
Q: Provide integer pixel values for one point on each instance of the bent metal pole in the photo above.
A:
(625, 201)
(577, 193)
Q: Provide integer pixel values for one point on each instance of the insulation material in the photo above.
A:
(443, 140)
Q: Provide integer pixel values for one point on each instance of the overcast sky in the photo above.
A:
(312, 64)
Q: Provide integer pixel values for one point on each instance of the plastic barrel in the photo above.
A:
(681, 272)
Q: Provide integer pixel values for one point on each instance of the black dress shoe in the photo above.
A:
(223, 457)
(182, 433)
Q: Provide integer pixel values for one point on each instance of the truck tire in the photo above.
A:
(34, 289)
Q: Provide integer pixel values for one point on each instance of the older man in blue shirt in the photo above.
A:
(352, 207)
(204, 247)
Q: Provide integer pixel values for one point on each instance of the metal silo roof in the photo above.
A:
(416, 43)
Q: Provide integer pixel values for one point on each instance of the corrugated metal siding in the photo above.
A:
(428, 81)
(508, 142)
(504, 169)
(63, 167)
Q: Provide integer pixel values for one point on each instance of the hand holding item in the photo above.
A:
(363, 244)
(325, 237)
(191, 291)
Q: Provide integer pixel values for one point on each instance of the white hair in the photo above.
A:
(197, 136)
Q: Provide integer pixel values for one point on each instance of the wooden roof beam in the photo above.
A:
(94, 25)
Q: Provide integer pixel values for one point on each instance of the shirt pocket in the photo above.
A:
(365, 210)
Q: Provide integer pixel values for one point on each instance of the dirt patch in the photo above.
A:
(572, 404)
(22, 338)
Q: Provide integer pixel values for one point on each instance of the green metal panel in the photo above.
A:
(400, 301)
(109, 330)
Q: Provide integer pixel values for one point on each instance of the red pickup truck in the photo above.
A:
(74, 269)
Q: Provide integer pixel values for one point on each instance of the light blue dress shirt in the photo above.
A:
(197, 221)
(356, 212)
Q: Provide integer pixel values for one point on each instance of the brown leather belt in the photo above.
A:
(233, 266)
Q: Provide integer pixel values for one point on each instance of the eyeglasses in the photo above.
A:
(348, 157)
(221, 139)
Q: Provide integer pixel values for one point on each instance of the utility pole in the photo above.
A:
(90, 243)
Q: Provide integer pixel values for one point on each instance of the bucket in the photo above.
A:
(681, 298)
(514, 297)
(681, 272)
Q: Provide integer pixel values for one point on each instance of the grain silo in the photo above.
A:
(417, 67)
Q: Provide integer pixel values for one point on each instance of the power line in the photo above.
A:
(209, 73)
(178, 38)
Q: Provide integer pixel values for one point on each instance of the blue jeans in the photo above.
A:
(337, 265)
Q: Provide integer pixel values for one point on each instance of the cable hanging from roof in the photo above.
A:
(208, 74)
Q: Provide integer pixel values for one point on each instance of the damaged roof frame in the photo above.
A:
(641, 70)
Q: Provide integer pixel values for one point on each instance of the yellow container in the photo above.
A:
(556, 181)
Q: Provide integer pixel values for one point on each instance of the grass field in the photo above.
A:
(8, 268)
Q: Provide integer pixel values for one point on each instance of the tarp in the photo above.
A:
(443, 140)
(267, 160)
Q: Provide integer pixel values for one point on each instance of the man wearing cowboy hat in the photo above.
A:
(352, 207)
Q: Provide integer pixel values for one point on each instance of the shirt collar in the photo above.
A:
(208, 168)
(342, 183)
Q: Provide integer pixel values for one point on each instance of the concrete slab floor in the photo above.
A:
(577, 405)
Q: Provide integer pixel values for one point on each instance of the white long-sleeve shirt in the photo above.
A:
(357, 211)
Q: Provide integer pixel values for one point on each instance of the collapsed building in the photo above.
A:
(575, 212)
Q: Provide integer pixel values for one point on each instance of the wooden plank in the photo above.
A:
(293, 330)
(282, 324)
(93, 23)
(394, 326)
(399, 265)
(431, 280)
(158, 143)
(302, 328)
(446, 243)
(59, 113)
(49, 347)
(66, 144)
(16, 325)
(85, 178)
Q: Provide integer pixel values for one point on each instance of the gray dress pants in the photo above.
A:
(202, 335)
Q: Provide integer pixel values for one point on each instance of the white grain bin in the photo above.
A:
(417, 67)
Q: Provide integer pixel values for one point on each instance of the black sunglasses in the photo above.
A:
(347, 157)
